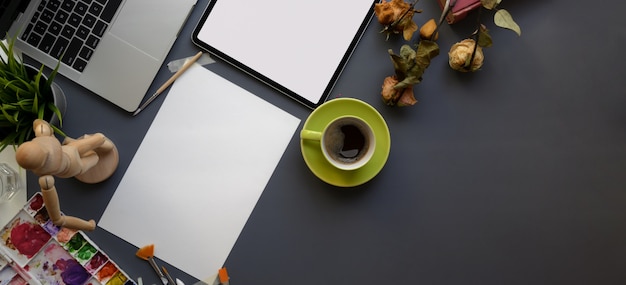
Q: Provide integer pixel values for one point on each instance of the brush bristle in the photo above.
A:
(146, 252)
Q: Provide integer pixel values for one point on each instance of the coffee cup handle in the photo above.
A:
(310, 135)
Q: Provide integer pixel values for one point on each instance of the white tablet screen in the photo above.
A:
(297, 47)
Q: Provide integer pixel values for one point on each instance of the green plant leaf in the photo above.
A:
(503, 19)
(25, 95)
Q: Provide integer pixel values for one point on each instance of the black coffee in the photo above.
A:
(346, 141)
(353, 142)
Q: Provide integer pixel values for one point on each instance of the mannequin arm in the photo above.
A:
(51, 200)
(86, 143)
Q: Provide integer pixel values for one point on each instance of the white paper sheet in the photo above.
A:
(199, 172)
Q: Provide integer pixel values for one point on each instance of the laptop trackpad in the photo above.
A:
(120, 72)
(151, 26)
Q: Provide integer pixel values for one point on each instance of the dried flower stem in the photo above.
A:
(405, 12)
(447, 8)
(477, 35)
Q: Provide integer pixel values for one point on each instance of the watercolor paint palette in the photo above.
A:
(51, 254)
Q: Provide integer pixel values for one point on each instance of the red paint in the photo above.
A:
(29, 238)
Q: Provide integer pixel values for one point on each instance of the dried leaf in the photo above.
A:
(409, 67)
(407, 73)
(503, 19)
(409, 29)
(400, 64)
(484, 38)
(407, 53)
(426, 50)
(489, 4)
(410, 80)
(411, 64)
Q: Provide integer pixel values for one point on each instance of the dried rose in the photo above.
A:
(400, 97)
(397, 17)
(409, 66)
(407, 98)
(461, 53)
(385, 13)
(389, 93)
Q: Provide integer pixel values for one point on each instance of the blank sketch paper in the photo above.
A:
(199, 172)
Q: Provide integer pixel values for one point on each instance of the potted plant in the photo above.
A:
(26, 94)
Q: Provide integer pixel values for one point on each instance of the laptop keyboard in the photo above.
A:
(70, 30)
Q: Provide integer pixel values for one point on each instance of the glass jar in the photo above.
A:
(9, 182)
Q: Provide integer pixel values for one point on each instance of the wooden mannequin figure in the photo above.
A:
(90, 159)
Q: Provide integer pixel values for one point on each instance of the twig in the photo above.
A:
(446, 9)
(449, 5)
(476, 40)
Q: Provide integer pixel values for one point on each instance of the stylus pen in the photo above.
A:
(168, 82)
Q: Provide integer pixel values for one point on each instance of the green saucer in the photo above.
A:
(312, 152)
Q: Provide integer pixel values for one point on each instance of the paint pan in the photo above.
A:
(52, 254)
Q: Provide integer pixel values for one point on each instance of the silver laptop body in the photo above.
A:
(129, 53)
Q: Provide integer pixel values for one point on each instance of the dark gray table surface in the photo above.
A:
(510, 175)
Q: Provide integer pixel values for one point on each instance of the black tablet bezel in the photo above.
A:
(286, 91)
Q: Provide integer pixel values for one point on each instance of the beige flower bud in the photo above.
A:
(427, 30)
(461, 52)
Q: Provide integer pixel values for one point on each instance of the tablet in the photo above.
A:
(297, 47)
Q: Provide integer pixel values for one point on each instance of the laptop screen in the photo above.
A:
(9, 9)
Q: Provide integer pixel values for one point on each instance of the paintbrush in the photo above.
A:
(18, 269)
(169, 277)
(147, 253)
(169, 82)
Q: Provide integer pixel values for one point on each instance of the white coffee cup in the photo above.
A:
(347, 142)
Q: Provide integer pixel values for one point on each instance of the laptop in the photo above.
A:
(113, 48)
